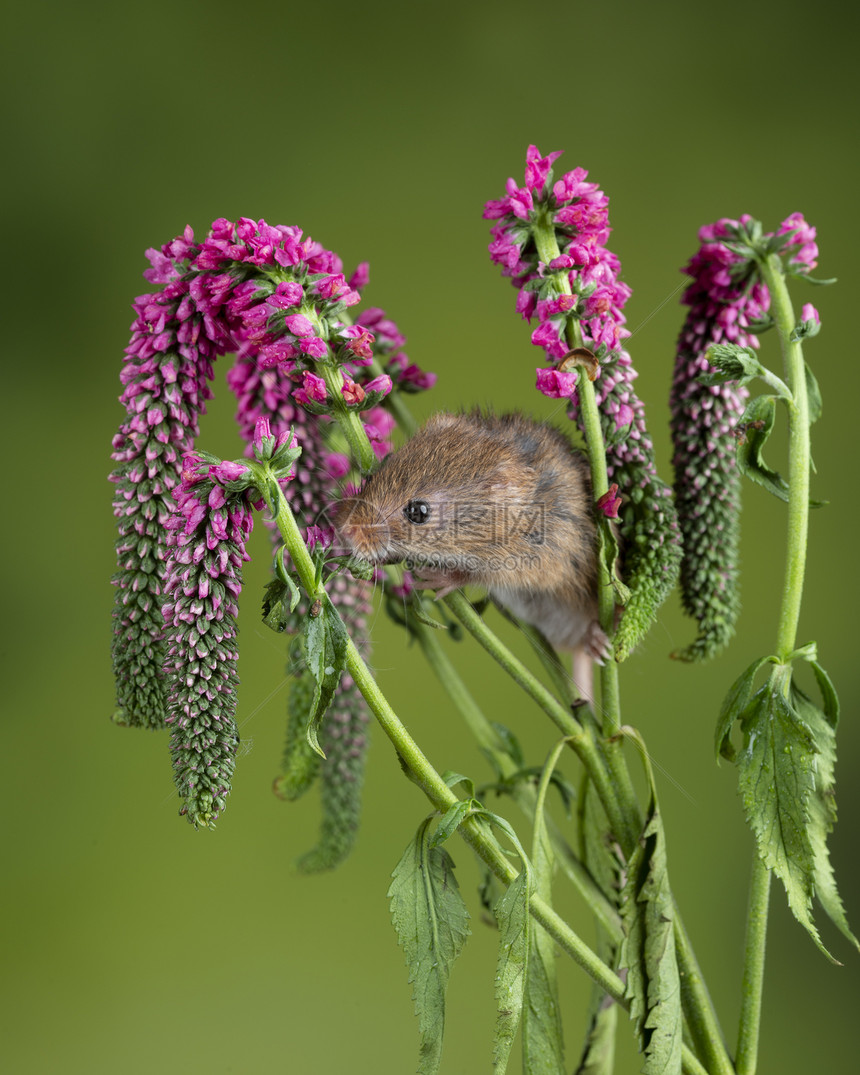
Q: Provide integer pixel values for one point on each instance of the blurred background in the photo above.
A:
(135, 944)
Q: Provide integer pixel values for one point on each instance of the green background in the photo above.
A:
(134, 944)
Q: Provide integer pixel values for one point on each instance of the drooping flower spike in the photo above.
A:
(280, 301)
(207, 538)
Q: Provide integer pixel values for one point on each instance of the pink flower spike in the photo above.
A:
(555, 384)
(352, 392)
(537, 168)
(299, 325)
(336, 465)
(381, 384)
(809, 313)
(313, 347)
(610, 502)
(262, 430)
(314, 386)
(319, 535)
(227, 471)
(360, 277)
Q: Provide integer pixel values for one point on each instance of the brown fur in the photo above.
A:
(510, 509)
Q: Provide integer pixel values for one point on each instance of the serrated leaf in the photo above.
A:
(515, 926)
(648, 952)
(432, 925)
(822, 811)
(776, 776)
(733, 706)
(757, 426)
(326, 644)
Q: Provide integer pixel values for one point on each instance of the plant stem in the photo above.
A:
(429, 780)
(350, 422)
(798, 456)
(795, 566)
(698, 1007)
(524, 794)
(581, 737)
(753, 979)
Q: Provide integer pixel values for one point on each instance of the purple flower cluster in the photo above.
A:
(281, 302)
(728, 302)
(207, 537)
(550, 240)
(165, 381)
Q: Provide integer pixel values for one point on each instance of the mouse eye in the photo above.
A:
(417, 511)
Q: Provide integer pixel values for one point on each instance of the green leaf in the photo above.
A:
(599, 855)
(301, 764)
(731, 362)
(279, 601)
(543, 1047)
(733, 706)
(510, 743)
(432, 925)
(326, 644)
(777, 775)
(828, 694)
(648, 951)
(598, 1054)
(813, 396)
(543, 1044)
(822, 810)
(756, 426)
(609, 553)
(515, 925)
(453, 816)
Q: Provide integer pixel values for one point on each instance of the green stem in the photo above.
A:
(429, 780)
(591, 751)
(798, 456)
(524, 794)
(753, 979)
(698, 1007)
(792, 592)
(349, 421)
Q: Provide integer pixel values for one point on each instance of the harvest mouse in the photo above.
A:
(499, 501)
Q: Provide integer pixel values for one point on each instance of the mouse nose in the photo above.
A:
(362, 529)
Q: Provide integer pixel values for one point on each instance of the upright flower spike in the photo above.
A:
(550, 240)
(725, 299)
(206, 545)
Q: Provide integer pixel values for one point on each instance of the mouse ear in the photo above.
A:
(441, 420)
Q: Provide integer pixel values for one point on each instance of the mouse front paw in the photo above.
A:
(443, 582)
(596, 644)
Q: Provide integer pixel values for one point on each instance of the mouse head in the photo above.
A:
(443, 494)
